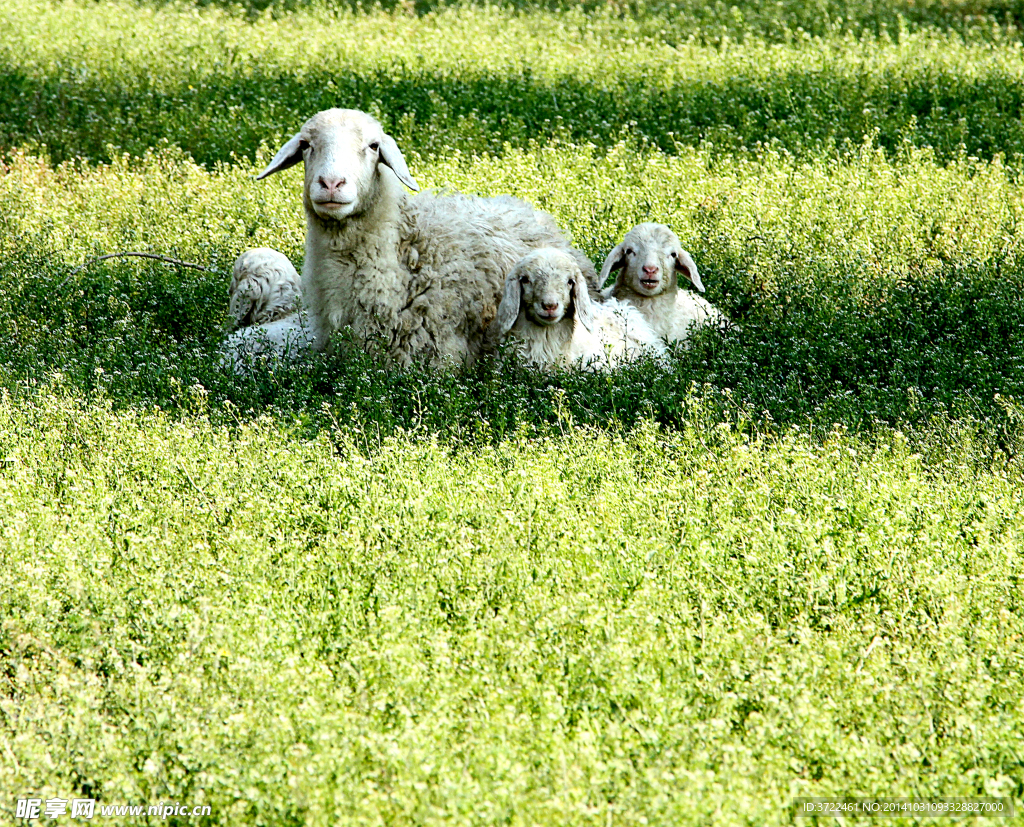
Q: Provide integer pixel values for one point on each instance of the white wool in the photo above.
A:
(264, 287)
(274, 342)
(648, 262)
(547, 312)
(422, 277)
(264, 298)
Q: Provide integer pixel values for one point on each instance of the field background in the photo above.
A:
(338, 594)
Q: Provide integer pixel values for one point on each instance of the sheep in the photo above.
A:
(421, 276)
(547, 311)
(648, 260)
(264, 298)
(264, 287)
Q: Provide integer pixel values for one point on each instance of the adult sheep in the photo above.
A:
(424, 275)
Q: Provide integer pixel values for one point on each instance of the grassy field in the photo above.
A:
(788, 565)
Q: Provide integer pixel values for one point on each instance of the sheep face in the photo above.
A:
(650, 257)
(546, 286)
(342, 150)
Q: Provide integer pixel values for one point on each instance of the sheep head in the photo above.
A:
(343, 151)
(264, 287)
(649, 259)
(546, 286)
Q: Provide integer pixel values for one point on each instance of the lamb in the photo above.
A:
(421, 277)
(547, 311)
(648, 260)
(264, 298)
(264, 287)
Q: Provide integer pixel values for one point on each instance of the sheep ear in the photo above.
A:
(244, 303)
(391, 155)
(616, 261)
(508, 310)
(581, 302)
(684, 264)
(287, 156)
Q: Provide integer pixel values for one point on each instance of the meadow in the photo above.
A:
(336, 593)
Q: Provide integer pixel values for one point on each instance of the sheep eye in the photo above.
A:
(675, 254)
(375, 146)
(524, 279)
(629, 252)
(572, 282)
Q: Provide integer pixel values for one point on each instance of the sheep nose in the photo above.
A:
(551, 308)
(331, 184)
(650, 270)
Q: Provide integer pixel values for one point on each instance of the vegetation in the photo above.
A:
(336, 593)
(89, 80)
(687, 627)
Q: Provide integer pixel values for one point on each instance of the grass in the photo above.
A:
(684, 627)
(336, 593)
(870, 289)
(90, 80)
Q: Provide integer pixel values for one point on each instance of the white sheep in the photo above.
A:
(547, 311)
(264, 287)
(264, 297)
(422, 276)
(649, 259)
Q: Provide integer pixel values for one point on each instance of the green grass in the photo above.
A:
(688, 627)
(336, 593)
(869, 289)
(91, 80)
